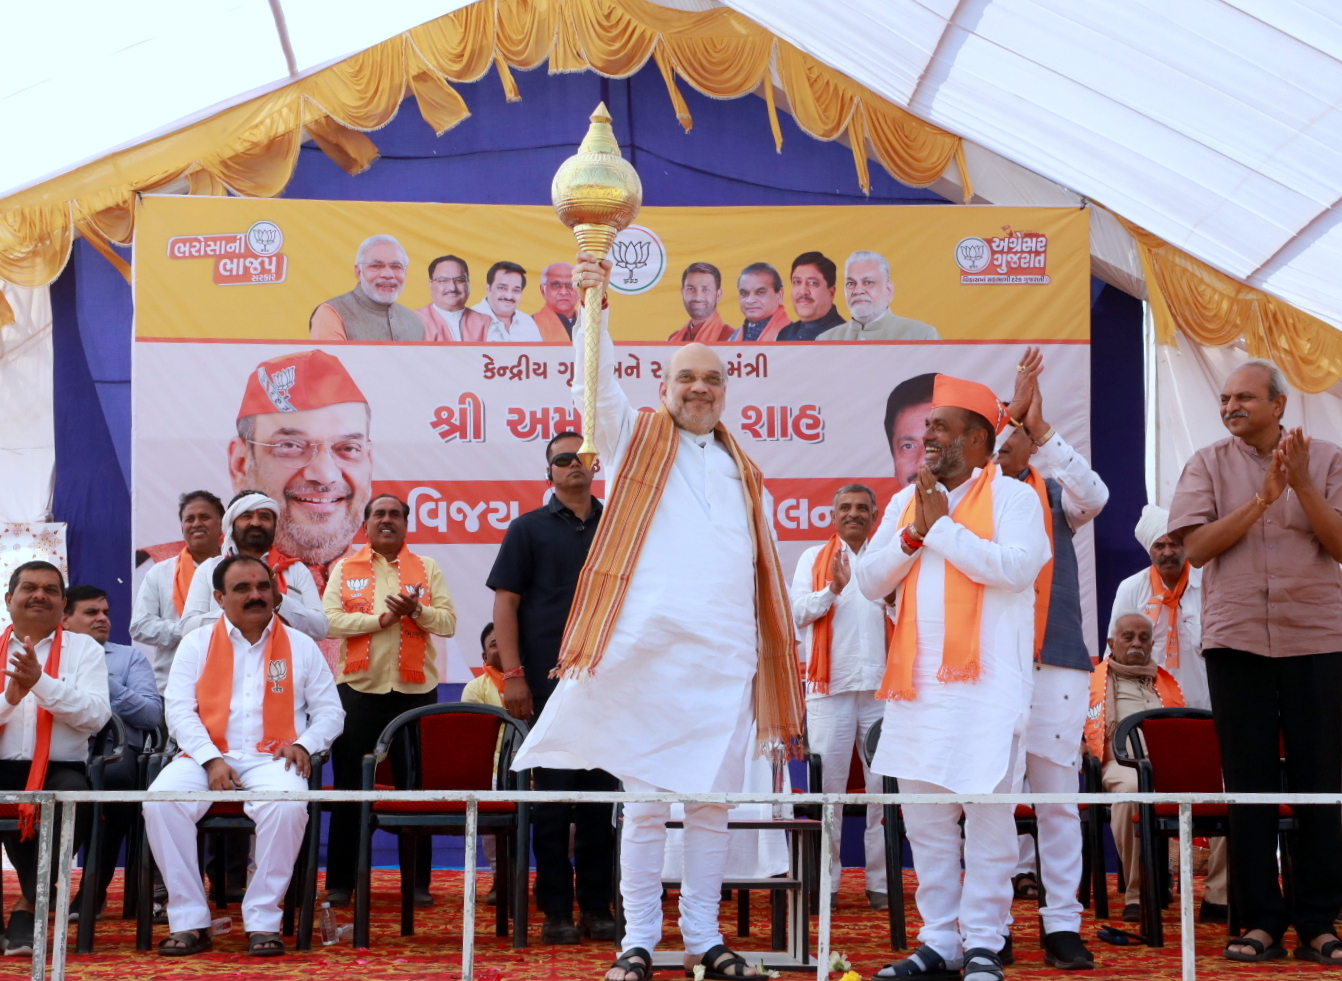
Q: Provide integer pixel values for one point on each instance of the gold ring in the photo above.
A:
(1020, 367)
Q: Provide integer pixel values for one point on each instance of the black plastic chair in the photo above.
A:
(1094, 818)
(455, 751)
(107, 746)
(228, 818)
(1175, 750)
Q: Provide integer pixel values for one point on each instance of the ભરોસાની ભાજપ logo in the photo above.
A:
(1013, 258)
(240, 258)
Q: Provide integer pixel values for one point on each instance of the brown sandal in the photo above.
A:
(184, 943)
(265, 944)
(1025, 886)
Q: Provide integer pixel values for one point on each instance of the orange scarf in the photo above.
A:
(181, 579)
(496, 676)
(357, 589)
(963, 599)
(1098, 730)
(822, 630)
(1169, 599)
(278, 563)
(37, 769)
(605, 578)
(214, 689)
(1043, 583)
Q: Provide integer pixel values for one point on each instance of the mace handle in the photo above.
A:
(591, 324)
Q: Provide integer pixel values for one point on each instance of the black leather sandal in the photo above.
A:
(717, 960)
(1323, 955)
(642, 967)
(184, 943)
(1261, 952)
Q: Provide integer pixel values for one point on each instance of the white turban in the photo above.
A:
(1154, 524)
(251, 502)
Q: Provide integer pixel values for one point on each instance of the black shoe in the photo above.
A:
(1066, 951)
(559, 930)
(1132, 913)
(19, 933)
(234, 894)
(598, 926)
(423, 898)
(1213, 913)
(1007, 955)
(339, 898)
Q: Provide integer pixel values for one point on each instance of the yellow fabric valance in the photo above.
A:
(252, 148)
(1214, 309)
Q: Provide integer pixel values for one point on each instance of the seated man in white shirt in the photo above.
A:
(56, 697)
(843, 635)
(248, 701)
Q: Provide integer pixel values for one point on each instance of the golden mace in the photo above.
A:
(597, 193)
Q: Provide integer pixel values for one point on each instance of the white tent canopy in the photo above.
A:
(1213, 123)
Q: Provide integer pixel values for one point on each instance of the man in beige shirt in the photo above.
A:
(1261, 513)
(383, 600)
(1126, 682)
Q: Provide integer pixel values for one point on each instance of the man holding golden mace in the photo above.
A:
(679, 649)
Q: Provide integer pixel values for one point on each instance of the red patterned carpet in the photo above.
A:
(435, 952)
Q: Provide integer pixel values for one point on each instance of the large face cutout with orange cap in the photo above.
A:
(303, 439)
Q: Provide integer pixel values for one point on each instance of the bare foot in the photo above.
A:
(1323, 938)
(1260, 935)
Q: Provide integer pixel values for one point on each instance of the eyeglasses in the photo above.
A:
(558, 284)
(298, 453)
(444, 280)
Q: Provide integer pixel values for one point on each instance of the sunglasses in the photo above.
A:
(568, 460)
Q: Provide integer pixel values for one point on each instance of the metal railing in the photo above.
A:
(48, 800)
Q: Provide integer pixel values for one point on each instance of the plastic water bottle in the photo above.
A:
(330, 928)
(223, 924)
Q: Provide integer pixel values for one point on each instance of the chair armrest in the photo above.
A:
(317, 760)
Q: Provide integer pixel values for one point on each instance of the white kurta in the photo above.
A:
(1133, 595)
(857, 642)
(674, 692)
(959, 735)
(154, 621)
(301, 606)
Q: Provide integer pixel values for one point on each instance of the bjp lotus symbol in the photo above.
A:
(972, 254)
(276, 672)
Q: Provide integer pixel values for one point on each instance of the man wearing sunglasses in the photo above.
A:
(534, 579)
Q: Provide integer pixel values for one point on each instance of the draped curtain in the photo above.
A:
(252, 149)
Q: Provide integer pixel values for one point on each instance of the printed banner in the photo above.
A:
(236, 362)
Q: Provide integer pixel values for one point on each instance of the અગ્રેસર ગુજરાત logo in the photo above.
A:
(240, 258)
(638, 258)
(1013, 258)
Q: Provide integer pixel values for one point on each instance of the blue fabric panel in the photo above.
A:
(103, 300)
(507, 153)
(1118, 451)
(91, 495)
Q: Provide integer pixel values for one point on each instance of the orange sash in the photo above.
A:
(357, 588)
(551, 327)
(181, 579)
(822, 630)
(1171, 696)
(279, 562)
(1169, 599)
(214, 689)
(712, 331)
(37, 769)
(1043, 583)
(604, 581)
(496, 676)
(963, 599)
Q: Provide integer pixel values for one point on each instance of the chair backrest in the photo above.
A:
(1181, 746)
(457, 743)
(873, 739)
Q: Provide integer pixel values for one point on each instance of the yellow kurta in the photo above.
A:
(382, 675)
